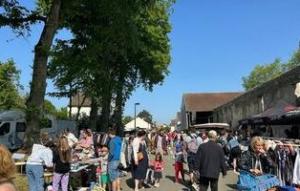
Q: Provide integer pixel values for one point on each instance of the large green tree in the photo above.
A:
(114, 51)
(20, 18)
(9, 85)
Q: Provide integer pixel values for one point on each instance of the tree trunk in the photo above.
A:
(70, 102)
(93, 114)
(38, 84)
(119, 106)
(80, 106)
(105, 112)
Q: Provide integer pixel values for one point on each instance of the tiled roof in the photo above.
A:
(202, 102)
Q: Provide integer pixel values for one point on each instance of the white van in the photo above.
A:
(13, 127)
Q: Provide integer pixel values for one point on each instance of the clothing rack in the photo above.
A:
(296, 142)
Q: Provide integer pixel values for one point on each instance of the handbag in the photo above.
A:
(140, 156)
(249, 182)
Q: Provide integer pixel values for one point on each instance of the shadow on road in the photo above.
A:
(130, 183)
(172, 178)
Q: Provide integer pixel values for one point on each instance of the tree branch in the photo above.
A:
(18, 21)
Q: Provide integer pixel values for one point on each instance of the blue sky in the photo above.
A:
(214, 43)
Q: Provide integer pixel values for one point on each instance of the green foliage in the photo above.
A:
(9, 84)
(126, 119)
(145, 115)
(62, 113)
(49, 108)
(294, 61)
(117, 46)
(262, 73)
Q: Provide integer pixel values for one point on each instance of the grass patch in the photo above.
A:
(21, 182)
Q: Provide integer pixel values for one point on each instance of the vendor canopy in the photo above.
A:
(140, 123)
(279, 110)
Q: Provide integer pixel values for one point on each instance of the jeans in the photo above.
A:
(60, 180)
(113, 170)
(204, 183)
(35, 174)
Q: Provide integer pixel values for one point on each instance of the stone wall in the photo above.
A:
(259, 99)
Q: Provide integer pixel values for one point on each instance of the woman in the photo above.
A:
(41, 155)
(256, 159)
(86, 140)
(61, 160)
(140, 159)
(235, 151)
(7, 165)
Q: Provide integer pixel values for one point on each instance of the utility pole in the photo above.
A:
(135, 104)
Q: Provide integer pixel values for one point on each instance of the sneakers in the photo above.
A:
(156, 185)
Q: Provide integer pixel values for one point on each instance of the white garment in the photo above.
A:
(40, 155)
(136, 146)
(159, 142)
(122, 155)
(296, 174)
(205, 140)
(71, 139)
(297, 90)
(199, 141)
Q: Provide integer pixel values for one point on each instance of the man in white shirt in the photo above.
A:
(72, 140)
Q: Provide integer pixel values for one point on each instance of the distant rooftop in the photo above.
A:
(203, 102)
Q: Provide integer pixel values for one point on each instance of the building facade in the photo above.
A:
(197, 108)
(259, 99)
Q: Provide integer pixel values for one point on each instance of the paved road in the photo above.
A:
(168, 184)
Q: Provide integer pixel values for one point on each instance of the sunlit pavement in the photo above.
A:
(167, 183)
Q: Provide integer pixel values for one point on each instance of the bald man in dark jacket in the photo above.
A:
(210, 162)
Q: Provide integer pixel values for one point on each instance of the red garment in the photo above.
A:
(158, 166)
(178, 168)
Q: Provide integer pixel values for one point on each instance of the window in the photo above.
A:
(4, 129)
(21, 127)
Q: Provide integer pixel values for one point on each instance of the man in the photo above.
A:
(160, 143)
(192, 148)
(114, 146)
(204, 137)
(210, 162)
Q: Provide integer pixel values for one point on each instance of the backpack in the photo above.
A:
(233, 143)
(192, 145)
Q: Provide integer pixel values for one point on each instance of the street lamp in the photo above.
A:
(135, 104)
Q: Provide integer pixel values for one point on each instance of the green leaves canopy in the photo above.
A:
(263, 73)
(9, 84)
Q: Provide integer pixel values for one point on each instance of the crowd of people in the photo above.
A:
(206, 155)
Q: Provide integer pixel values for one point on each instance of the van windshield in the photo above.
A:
(4, 128)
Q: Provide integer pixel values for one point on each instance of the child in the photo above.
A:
(158, 167)
(61, 160)
(103, 176)
(179, 158)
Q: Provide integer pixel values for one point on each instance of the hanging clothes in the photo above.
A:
(296, 173)
(285, 166)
